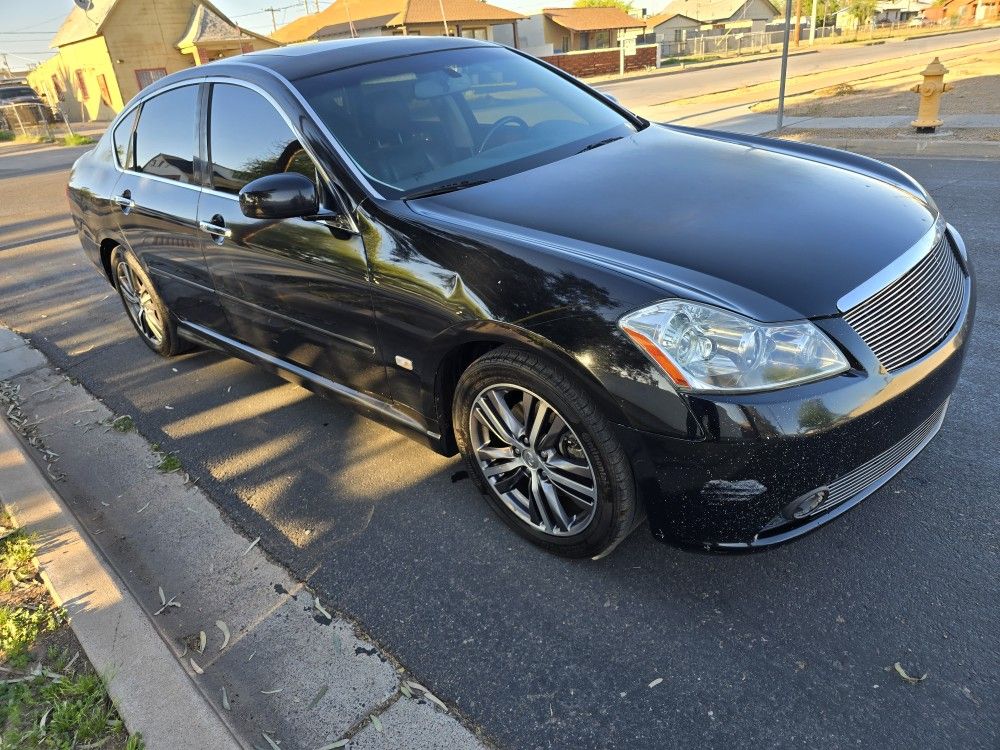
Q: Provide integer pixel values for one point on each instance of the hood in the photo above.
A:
(767, 228)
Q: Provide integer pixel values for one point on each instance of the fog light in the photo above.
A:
(805, 505)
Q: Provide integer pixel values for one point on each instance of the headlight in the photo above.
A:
(703, 348)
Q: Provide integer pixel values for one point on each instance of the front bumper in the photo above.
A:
(763, 451)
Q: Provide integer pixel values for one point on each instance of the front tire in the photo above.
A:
(145, 309)
(543, 454)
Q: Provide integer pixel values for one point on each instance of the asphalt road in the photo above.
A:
(650, 91)
(791, 648)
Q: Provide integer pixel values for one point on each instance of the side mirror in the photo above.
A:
(285, 195)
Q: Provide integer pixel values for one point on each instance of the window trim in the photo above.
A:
(102, 84)
(138, 81)
(81, 83)
(131, 141)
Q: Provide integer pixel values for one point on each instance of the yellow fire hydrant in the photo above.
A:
(930, 97)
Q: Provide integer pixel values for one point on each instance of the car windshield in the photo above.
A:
(444, 120)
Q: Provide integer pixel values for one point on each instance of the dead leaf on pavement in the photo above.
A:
(902, 673)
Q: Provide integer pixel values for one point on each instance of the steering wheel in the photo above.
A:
(495, 128)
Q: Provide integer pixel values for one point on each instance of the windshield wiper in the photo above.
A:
(605, 142)
(448, 187)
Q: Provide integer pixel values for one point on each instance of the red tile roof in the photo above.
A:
(592, 19)
(368, 14)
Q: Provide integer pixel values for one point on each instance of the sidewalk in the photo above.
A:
(208, 644)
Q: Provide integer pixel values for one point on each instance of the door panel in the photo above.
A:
(296, 289)
(158, 205)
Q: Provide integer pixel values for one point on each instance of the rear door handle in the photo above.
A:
(215, 230)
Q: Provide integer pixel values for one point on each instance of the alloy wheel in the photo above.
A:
(139, 303)
(533, 460)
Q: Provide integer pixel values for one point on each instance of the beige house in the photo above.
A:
(108, 54)
(671, 27)
(726, 13)
(358, 18)
(575, 29)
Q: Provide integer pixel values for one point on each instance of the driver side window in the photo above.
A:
(249, 139)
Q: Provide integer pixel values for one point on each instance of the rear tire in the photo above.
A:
(143, 305)
(539, 448)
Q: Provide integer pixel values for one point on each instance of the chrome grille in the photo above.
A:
(912, 315)
(874, 473)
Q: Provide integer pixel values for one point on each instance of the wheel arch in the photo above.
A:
(456, 349)
(108, 245)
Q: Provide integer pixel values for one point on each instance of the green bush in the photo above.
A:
(77, 140)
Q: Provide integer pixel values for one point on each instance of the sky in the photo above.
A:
(27, 26)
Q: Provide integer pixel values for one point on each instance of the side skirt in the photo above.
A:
(370, 406)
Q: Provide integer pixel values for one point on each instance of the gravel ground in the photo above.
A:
(977, 91)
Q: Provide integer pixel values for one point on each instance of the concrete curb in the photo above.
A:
(291, 671)
(942, 149)
(153, 693)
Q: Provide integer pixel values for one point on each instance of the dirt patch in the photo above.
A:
(889, 134)
(976, 82)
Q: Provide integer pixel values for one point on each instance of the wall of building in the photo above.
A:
(80, 103)
(603, 62)
(143, 34)
(666, 31)
(530, 36)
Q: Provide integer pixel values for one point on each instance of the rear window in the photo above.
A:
(16, 92)
(166, 138)
(122, 139)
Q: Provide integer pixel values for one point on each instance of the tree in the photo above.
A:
(862, 10)
(625, 5)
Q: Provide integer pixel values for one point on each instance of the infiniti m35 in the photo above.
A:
(732, 338)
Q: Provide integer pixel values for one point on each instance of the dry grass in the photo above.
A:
(976, 81)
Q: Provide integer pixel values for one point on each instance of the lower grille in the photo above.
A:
(874, 473)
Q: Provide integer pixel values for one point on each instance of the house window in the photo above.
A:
(475, 33)
(678, 35)
(81, 84)
(57, 86)
(565, 44)
(146, 76)
(102, 82)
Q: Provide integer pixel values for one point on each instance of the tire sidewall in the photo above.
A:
(168, 344)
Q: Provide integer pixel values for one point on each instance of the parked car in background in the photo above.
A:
(737, 338)
(20, 104)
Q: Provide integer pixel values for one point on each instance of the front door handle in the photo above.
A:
(125, 202)
(215, 230)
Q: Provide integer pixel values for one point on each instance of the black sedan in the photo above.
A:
(735, 338)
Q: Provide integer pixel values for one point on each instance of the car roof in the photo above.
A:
(308, 59)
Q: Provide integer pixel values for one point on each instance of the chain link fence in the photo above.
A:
(32, 120)
(735, 43)
(729, 43)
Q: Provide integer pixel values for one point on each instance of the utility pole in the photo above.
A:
(274, 22)
(317, 5)
(812, 24)
(798, 21)
(784, 66)
(350, 22)
(444, 19)
(306, 4)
